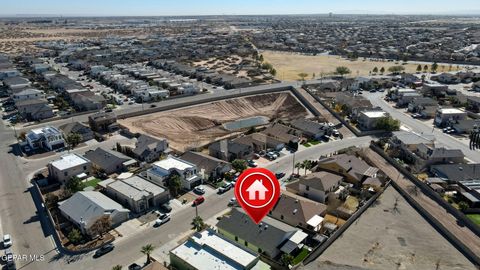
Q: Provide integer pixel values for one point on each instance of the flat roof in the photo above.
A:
(375, 114)
(135, 187)
(450, 111)
(207, 250)
(69, 161)
(173, 163)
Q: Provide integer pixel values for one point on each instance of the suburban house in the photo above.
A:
(298, 211)
(271, 237)
(48, 138)
(397, 93)
(163, 169)
(28, 94)
(34, 109)
(229, 150)
(473, 104)
(456, 172)
(260, 141)
(7, 73)
(88, 101)
(78, 128)
(149, 149)
(288, 135)
(466, 126)
(434, 89)
(109, 161)
(136, 193)
(103, 121)
(310, 129)
(207, 250)
(367, 120)
(406, 98)
(420, 105)
(316, 186)
(428, 156)
(68, 166)
(85, 208)
(211, 167)
(16, 84)
(352, 168)
(448, 116)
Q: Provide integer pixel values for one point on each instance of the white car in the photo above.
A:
(7, 241)
(199, 190)
(164, 218)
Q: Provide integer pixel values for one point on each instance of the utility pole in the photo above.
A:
(293, 163)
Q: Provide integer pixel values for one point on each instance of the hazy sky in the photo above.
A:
(215, 7)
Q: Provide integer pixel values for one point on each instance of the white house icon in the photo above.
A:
(255, 187)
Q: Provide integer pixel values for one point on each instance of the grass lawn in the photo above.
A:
(92, 183)
(475, 218)
(300, 256)
(313, 142)
(306, 144)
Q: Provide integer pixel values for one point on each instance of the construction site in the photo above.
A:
(196, 126)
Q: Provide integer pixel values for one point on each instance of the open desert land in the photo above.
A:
(389, 237)
(199, 125)
(289, 65)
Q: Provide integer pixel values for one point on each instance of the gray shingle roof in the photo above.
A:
(269, 235)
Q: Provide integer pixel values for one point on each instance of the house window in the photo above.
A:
(307, 188)
(281, 217)
(259, 250)
(65, 173)
(84, 167)
(236, 238)
(246, 243)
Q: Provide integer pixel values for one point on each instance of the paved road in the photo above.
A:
(421, 127)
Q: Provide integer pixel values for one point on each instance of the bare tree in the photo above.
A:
(101, 226)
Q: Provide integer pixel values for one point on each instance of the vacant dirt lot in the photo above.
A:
(200, 125)
(289, 65)
(392, 237)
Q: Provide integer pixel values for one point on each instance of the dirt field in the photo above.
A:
(289, 65)
(200, 125)
(386, 237)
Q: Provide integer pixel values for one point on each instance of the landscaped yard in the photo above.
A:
(300, 256)
(475, 218)
(92, 183)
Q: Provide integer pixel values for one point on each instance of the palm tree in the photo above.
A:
(147, 250)
(307, 165)
(117, 267)
(198, 223)
(298, 166)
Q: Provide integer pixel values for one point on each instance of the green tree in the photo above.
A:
(51, 200)
(239, 165)
(419, 68)
(74, 236)
(313, 76)
(388, 124)
(434, 67)
(174, 184)
(198, 223)
(396, 69)
(73, 139)
(273, 72)
(117, 267)
(260, 58)
(75, 184)
(147, 250)
(382, 70)
(307, 165)
(298, 166)
(463, 206)
(342, 71)
(375, 70)
(302, 76)
(425, 68)
(286, 259)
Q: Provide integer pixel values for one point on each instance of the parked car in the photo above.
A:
(199, 190)
(226, 187)
(165, 207)
(271, 156)
(134, 266)
(198, 201)
(164, 218)
(7, 241)
(103, 250)
(251, 163)
(280, 175)
(232, 202)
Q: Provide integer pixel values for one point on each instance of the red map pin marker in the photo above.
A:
(257, 191)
